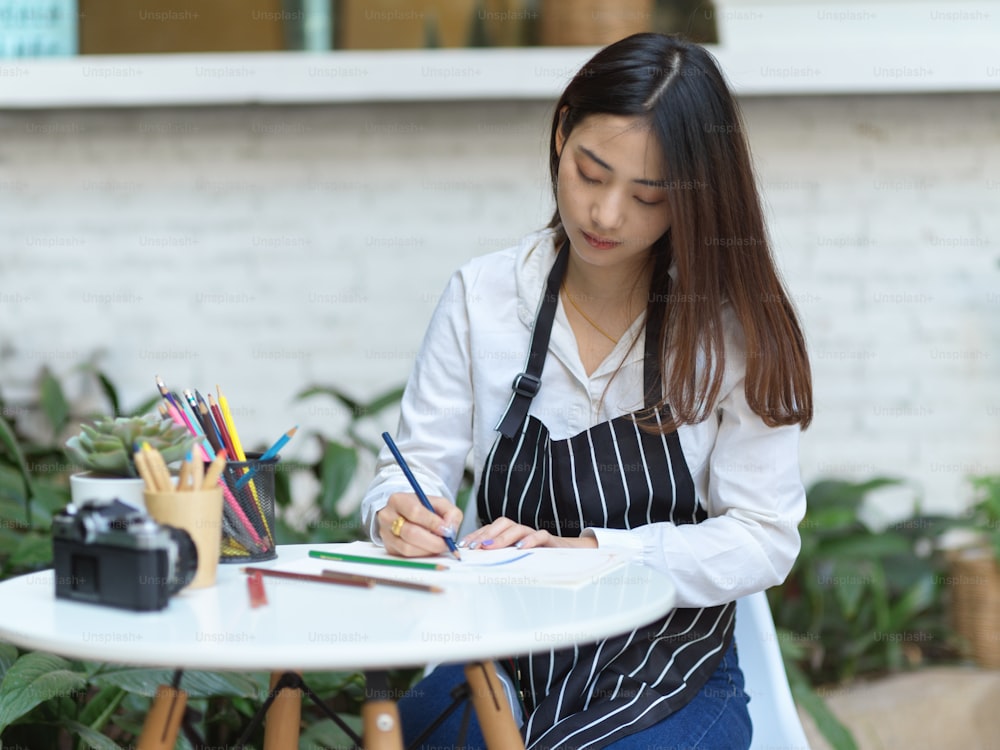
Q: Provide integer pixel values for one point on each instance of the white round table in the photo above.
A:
(307, 626)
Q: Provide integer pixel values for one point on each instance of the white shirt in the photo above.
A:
(745, 473)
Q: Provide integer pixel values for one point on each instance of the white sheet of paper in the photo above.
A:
(510, 566)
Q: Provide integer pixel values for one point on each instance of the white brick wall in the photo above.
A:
(266, 249)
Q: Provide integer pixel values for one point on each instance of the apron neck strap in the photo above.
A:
(527, 383)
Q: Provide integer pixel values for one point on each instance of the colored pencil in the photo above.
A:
(162, 388)
(194, 419)
(255, 588)
(145, 471)
(235, 539)
(180, 419)
(158, 468)
(237, 526)
(198, 475)
(387, 582)
(227, 416)
(211, 431)
(193, 406)
(220, 425)
(268, 455)
(174, 402)
(343, 580)
(394, 562)
(416, 487)
(279, 444)
(232, 544)
(233, 504)
(184, 475)
(348, 579)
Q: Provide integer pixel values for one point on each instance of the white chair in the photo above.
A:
(772, 710)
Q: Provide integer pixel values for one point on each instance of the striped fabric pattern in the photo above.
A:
(615, 476)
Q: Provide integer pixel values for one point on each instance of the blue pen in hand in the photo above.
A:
(416, 487)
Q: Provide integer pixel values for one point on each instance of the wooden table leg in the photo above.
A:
(494, 714)
(281, 726)
(163, 722)
(381, 729)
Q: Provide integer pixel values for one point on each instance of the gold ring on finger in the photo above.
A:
(397, 526)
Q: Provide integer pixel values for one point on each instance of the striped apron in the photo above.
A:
(613, 475)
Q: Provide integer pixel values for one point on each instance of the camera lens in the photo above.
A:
(183, 559)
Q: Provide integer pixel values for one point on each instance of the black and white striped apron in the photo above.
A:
(613, 475)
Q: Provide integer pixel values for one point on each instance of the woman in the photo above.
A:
(658, 410)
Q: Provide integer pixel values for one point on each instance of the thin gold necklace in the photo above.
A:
(587, 317)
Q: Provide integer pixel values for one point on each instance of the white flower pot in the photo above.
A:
(103, 488)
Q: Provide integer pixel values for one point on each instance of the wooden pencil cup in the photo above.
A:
(199, 513)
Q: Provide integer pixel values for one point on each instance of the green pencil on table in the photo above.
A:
(319, 554)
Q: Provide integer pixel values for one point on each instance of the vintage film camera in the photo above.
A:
(116, 555)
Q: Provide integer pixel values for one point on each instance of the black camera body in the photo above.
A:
(118, 556)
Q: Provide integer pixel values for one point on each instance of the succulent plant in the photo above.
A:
(106, 446)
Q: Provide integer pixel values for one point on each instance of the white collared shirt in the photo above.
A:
(745, 473)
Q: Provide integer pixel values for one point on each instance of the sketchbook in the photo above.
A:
(546, 566)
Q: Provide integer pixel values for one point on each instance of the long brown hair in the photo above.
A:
(717, 239)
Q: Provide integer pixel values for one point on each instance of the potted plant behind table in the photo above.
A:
(974, 582)
(104, 449)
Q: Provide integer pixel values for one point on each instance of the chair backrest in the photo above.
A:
(775, 721)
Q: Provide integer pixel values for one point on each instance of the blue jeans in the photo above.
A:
(715, 719)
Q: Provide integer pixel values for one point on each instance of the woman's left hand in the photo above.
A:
(505, 533)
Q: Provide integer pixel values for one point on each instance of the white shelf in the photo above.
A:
(286, 77)
(910, 63)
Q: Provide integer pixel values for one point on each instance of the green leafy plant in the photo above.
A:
(985, 518)
(859, 601)
(864, 601)
(32, 481)
(45, 698)
(33, 466)
(107, 445)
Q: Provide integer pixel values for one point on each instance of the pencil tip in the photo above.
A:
(457, 556)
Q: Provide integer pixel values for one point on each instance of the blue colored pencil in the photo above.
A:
(278, 445)
(416, 487)
(267, 456)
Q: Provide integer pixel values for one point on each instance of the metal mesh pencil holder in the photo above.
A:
(248, 510)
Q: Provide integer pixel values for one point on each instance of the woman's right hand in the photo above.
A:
(420, 533)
